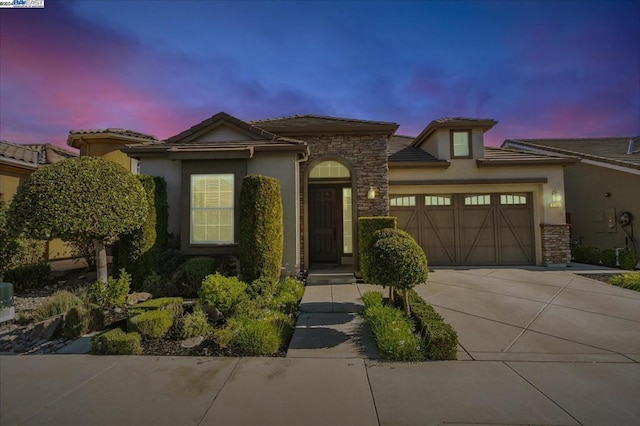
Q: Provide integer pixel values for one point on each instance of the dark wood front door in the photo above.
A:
(323, 224)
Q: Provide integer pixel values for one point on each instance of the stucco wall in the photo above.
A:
(438, 144)
(10, 179)
(587, 202)
(109, 150)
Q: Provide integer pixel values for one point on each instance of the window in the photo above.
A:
(477, 200)
(212, 209)
(437, 200)
(402, 201)
(461, 144)
(347, 221)
(329, 169)
(513, 199)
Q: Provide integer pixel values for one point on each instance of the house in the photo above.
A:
(466, 204)
(601, 188)
(17, 162)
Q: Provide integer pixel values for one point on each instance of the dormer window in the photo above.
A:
(461, 144)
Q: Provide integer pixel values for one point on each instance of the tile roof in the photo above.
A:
(50, 154)
(316, 123)
(113, 130)
(196, 130)
(453, 123)
(494, 156)
(400, 150)
(32, 155)
(611, 150)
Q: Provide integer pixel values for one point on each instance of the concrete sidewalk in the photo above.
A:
(83, 390)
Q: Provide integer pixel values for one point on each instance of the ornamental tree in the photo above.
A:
(83, 198)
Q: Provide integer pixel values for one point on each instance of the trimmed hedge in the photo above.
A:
(139, 250)
(441, 340)
(628, 259)
(608, 258)
(151, 324)
(173, 304)
(367, 226)
(261, 229)
(117, 342)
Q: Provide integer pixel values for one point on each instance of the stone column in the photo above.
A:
(556, 244)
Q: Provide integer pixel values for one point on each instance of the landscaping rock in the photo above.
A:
(135, 298)
(45, 329)
(192, 342)
(213, 314)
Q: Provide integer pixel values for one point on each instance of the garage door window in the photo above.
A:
(477, 200)
(402, 201)
(437, 200)
(513, 199)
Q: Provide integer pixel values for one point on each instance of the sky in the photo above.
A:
(542, 69)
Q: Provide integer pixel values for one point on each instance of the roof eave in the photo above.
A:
(378, 129)
(485, 125)
(76, 140)
(419, 164)
(537, 162)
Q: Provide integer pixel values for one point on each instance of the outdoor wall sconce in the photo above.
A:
(371, 194)
(556, 199)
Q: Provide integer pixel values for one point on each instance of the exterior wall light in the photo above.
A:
(556, 199)
(371, 194)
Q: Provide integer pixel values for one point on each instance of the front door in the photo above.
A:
(323, 224)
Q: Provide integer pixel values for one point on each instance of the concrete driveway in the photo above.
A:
(536, 315)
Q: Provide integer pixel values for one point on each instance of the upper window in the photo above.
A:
(461, 143)
(329, 169)
(212, 209)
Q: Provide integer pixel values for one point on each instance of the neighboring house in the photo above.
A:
(17, 162)
(603, 185)
(465, 204)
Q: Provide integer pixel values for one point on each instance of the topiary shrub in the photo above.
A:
(592, 255)
(35, 275)
(367, 226)
(153, 324)
(139, 250)
(174, 304)
(223, 293)
(608, 258)
(113, 292)
(398, 261)
(628, 259)
(76, 322)
(630, 280)
(117, 342)
(261, 228)
(58, 303)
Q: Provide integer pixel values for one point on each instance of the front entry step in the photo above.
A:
(318, 278)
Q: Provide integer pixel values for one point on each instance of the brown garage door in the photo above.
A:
(469, 229)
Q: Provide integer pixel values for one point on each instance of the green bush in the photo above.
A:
(117, 342)
(139, 250)
(58, 303)
(35, 275)
(367, 226)
(441, 340)
(262, 286)
(158, 285)
(372, 298)
(196, 269)
(629, 280)
(223, 293)
(16, 250)
(153, 324)
(76, 322)
(579, 253)
(291, 286)
(250, 336)
(261, 228)
(608, 258)
(111, 293)
(628, 259)
(174, 304)
(195, 324)
(592, 255)
(288, 294)
(394, 334)
(96, 318)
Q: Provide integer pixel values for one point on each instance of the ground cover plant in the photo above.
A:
(630, 281)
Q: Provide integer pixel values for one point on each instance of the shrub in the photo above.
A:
(579, 253)
(35, 275)
(84, 248)
(288, 294)
(173, 304)
(96, 318)
(224, 293)
(196, 269)
(195, 324)
(250, 336)
(592, 255)
(628, 259)
(76, 322)
(158, 285)
(608, 258)
(394, 334)
(266, 287)
(372, 298)
(113, 292)
(151, 324)
(630, 280)
(366, 228)
(117, 342)
(398, 261)
(441, 340)
(16, 250)
(261, 228)
(58, 303)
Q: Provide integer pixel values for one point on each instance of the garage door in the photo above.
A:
(469, 229)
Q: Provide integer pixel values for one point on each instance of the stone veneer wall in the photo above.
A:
(556, 244)
(366, 155)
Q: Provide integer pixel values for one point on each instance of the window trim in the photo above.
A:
(469, 143)
(232, 209)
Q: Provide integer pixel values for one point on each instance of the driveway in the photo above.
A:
(534, 315)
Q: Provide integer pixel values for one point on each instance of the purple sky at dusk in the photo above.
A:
(541, 68)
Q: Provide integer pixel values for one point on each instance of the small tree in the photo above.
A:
(398, 261)
(83, 198)
(261, 228)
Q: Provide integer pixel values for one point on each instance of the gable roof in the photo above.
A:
(310, 123)
(611, 150)
(32, 155)
(454, 123)
(402, 154)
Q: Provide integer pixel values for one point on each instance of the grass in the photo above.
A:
(58, 303)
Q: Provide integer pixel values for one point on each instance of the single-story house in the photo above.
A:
(465, 203)
(17, 162)
(601, 189)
